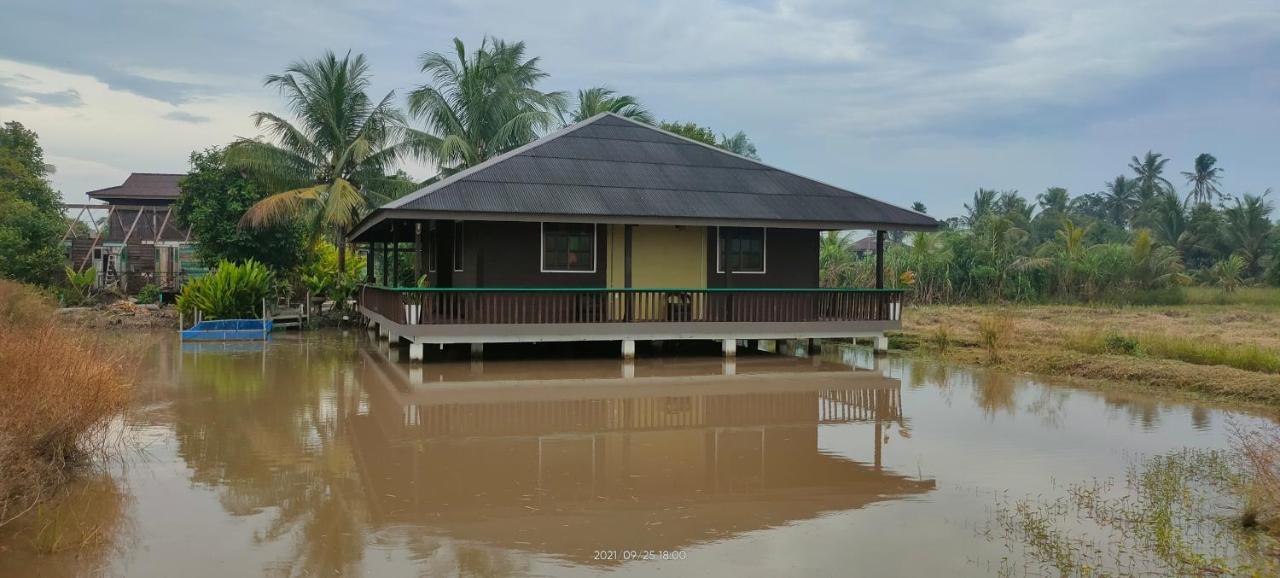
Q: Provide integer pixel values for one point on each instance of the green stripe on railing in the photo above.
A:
(628, 290)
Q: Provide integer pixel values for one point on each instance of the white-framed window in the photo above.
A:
(457, 246)
(741, 249)
(568, 248)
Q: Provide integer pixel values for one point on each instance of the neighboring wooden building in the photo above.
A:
(133, 238)
(616, 230)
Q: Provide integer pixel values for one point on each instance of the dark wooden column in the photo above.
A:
(626, 275)
(880, 259)
(369, 258)
(419, 258)
(386, 277)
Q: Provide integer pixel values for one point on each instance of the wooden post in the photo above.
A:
(880, 259)
(369, 259)
(626, 282)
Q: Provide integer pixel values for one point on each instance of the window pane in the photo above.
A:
(742, 249)
(568, 247)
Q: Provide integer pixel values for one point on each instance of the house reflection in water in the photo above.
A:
(568, 458)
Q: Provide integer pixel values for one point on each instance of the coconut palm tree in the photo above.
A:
(738, 143)
(1168, 220)
(984, 203)
(836, 259)
(1204, 179)
(1155, 265)
(598, 99)
(1248, 228)
(1053, 200)
(1120, 199)
(333, 160)
(479, 105)
(1148, 172)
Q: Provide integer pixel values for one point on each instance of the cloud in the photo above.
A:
(182, 116)
(16, 91)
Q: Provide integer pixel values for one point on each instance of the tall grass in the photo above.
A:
(59, 389)
(995, 332)
(1263, 296)
(1198, 351)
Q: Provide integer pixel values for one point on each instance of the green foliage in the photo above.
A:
(31, 221)
(78, 290)
(149, 293)
(598, 99)
(325, 168)
(321, 277)
(1228, 273)
(231, 291)
(214, 199)
(1120, 344)
(481, 104)
(690, 130)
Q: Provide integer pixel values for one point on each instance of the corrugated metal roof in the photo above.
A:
(142, 186)
(609, 166)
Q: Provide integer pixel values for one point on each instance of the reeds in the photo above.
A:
(1198, 351)
(60, 389)
(995, 332)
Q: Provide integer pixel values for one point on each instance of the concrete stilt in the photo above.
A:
(628, 349)
(730, 366)
(415, 374)
(628, 368)
(880, 344)
(384, 332)
(416, 352)
(730, 347)
(477, 351)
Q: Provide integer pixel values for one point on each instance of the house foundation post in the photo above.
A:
(416, 351)
(628, 349)
(730, 347)
(880, 344)
(477, 351)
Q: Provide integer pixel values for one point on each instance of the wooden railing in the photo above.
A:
(463, 306)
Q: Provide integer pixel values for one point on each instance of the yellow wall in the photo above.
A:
(661, 256)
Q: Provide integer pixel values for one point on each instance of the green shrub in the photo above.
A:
(1120, 344)
(149, 293)
(79, 288)
(232, 291)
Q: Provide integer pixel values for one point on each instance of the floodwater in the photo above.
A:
(325, 454)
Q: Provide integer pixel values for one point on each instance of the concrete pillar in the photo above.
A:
(730, 366)
(880, 344)
(730, 347)
(393, 352)
(628, 349)
(415, 373)
(628, 368)
(384, 332)
(477, 351)
(782, 347)
(416, 352)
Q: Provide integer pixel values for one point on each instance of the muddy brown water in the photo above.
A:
(320, 454)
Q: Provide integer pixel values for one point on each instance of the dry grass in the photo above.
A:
(995, 331)
(1224, 352)
(1260, 449)
(61, 388)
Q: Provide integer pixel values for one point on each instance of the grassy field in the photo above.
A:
(1223, 348)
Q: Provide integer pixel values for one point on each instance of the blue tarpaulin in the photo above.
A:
(229, 330)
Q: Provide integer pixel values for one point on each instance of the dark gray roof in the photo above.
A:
(611, 169)
(159, 186)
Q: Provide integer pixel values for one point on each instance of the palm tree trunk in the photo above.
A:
(342, 254)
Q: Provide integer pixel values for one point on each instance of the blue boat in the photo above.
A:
(229, 330)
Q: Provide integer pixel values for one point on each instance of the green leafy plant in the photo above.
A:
(149, 293)
(1120, 344)
(79, 288)
(232, 291)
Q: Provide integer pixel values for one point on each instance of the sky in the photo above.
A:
(914, 100)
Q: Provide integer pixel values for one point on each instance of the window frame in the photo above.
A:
(542, 248)
(764, 251)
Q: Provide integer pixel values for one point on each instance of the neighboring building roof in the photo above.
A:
(148, 186)
(612, 169)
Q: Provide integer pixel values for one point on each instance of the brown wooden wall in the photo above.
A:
(791, 261)
(506, 254)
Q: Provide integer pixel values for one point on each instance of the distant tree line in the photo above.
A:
(1137, 239)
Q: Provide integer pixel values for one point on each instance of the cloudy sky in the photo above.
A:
(909, 100)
